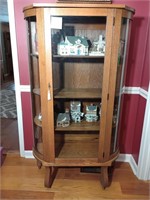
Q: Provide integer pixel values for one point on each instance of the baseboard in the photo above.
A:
(122, 158)
(128, 158)
(28, 154)
(133, 165)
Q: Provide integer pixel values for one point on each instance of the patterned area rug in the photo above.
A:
(8, 104)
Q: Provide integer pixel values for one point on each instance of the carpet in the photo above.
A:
(8, 104)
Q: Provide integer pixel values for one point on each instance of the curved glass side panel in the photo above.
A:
(122, 58)
(35, 83)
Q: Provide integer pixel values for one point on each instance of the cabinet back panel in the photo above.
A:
(83, 75)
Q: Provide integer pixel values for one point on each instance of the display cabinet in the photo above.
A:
(77, 56)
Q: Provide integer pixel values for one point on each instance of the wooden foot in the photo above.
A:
(50, 173)
(39, 164)
(104, 177)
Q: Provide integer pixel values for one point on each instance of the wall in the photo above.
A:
(137, 76)
(146, 64)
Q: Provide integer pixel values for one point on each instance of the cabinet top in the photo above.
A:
(78, 5)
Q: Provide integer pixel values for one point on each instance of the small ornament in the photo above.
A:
(63, 120)
(91, 113)
(75, 107)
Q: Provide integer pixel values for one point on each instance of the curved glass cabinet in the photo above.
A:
(77, 59)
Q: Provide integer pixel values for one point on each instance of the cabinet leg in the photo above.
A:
(104, 177)
(50, 173)
(39, 164)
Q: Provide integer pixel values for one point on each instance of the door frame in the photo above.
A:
(143, 168)
(10, 4)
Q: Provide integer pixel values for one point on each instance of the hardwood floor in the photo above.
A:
(8, 83)
(9, 138)
(9, 135)
(21, 179)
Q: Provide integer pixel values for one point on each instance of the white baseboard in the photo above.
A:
(28, 154)
(133, 165)
(122, 158)
(128, 158)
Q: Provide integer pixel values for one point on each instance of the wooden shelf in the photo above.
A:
(78, 93)
(78, 56)
(37, 121)
(82, 126)
(79, 150)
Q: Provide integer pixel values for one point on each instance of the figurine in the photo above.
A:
(75, 107)
(73, 45)
(63, 120)
(98, 48)
(91, 113)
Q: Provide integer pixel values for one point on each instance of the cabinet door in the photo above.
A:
(78, 56)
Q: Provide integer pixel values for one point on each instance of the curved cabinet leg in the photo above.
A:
(39, 164)
(104, 177)
(50, 173)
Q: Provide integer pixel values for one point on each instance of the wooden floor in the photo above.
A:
(9, 138)
(21, 179)
(9, 135)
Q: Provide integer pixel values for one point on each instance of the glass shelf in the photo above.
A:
(36, 91)
(36, 54)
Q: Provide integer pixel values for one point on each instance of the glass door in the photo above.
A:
(78, 54)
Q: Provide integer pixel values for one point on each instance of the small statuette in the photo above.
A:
(91, 113)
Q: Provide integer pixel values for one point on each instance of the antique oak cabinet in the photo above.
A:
(77, 56)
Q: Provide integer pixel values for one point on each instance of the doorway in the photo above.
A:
(8, 116)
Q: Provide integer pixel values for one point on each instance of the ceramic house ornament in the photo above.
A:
(75, 107)
(91, 113)
(63, 120)
(98, 47)
(73, 45)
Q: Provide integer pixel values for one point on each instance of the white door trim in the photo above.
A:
(143, 170)
(12, 27)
